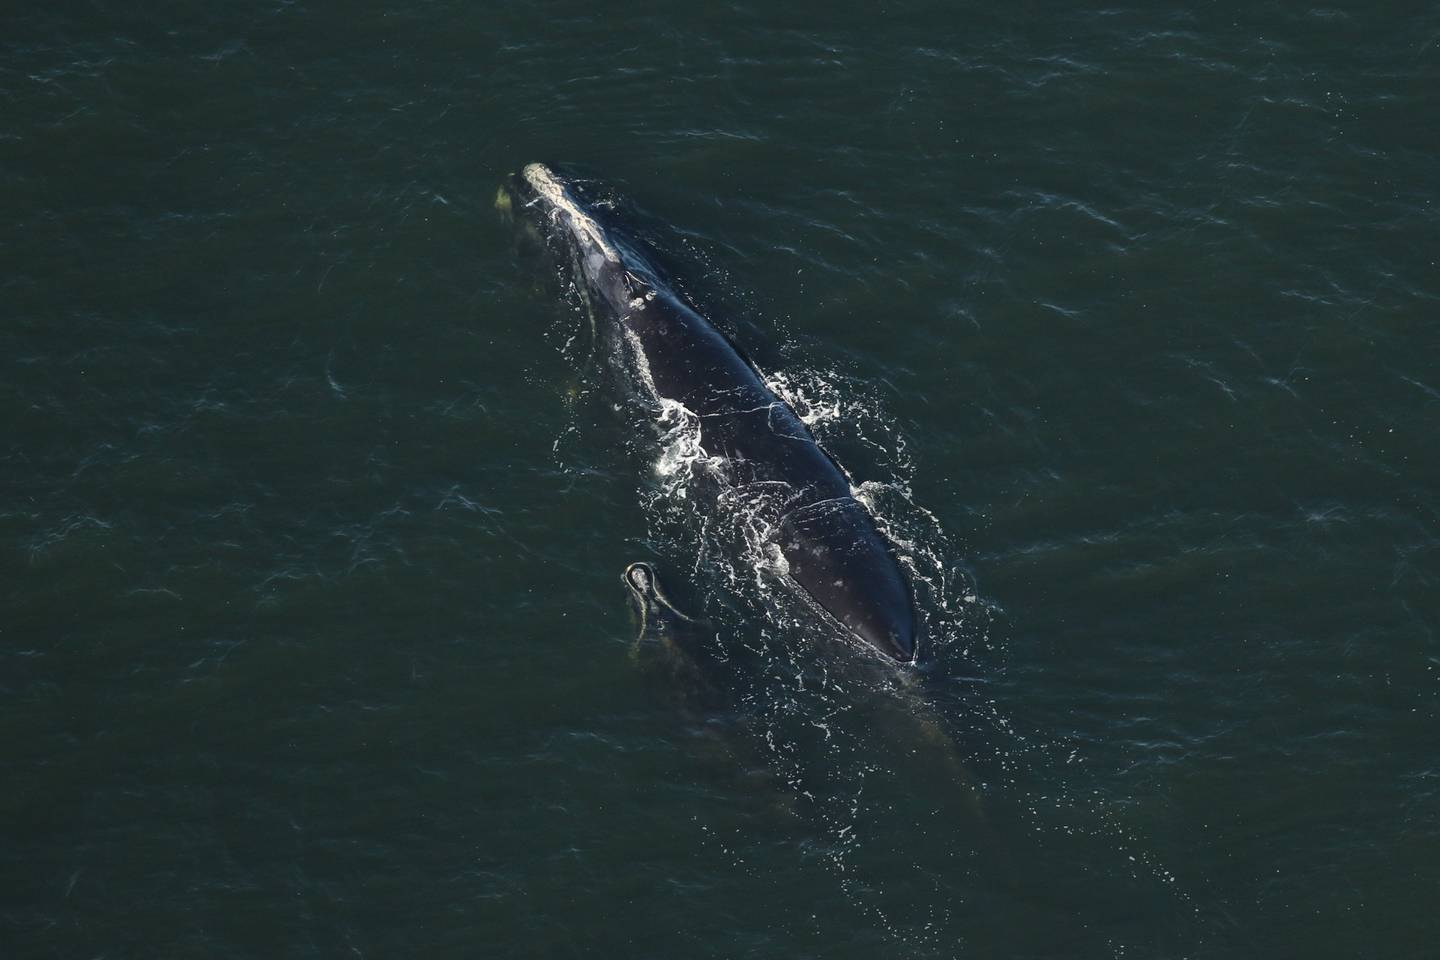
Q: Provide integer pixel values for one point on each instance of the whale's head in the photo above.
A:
(546, 205)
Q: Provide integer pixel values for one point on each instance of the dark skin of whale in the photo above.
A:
(833, 550)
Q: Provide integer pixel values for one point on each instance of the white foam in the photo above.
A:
(681, 445)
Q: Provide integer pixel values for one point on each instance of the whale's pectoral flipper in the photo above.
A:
(659, 618)
(675, 652)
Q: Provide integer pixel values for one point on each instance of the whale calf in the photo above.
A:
(829, 545)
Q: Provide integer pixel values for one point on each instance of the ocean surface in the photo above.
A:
(314, 502)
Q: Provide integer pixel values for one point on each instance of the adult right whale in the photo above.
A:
(675, 359)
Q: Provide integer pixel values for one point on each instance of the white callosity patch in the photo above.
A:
(562, 206)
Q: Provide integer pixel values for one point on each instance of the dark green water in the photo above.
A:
(312, 638)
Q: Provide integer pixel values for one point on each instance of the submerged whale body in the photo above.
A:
(831, 547)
